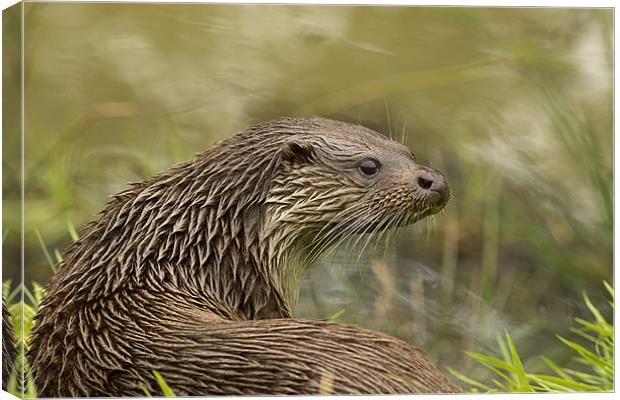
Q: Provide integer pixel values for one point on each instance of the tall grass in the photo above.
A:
(594, 360)
(19, 383)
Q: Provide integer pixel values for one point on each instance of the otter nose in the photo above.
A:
(431, 180)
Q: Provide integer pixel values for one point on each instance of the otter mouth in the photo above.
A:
(434, 201)
(437, 200)
(418, 216)
(367, 221)
(405, 217)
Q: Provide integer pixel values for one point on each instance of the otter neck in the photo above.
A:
(254, 269)
(201, 245)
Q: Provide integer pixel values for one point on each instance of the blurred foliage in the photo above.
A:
(22, 314)
(513, 105)
(598, 362)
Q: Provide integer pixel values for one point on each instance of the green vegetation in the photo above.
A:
(161, 382)
(167, 392)
(21, 329)
(595, 359)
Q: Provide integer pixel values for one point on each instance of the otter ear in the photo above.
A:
(255, 190)
(297, 152)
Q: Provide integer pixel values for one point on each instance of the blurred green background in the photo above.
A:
(513, 105)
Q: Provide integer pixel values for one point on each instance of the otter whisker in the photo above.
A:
(387, 109)
(329, 237)
(401, 228)
(398, 121)
(374, 222)
(387, 233)
(383, 228)
(352, 230)
(377, 229)
(349, 232)
(342, 217)
(383, 233)
(404, 133)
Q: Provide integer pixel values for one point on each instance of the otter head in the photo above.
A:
(336, 180)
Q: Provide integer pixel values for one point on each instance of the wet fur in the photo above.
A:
(193, 273)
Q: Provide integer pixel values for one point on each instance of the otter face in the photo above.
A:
(340, 179)
(397, 184)
(333, 181)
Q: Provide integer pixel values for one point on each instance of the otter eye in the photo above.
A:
(369, 167)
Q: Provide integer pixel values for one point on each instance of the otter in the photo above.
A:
(194, 272)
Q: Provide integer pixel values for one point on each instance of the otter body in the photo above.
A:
(193, 273)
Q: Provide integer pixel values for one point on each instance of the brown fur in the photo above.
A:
(193, 273)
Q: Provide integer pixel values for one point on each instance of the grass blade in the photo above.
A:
(163, 385)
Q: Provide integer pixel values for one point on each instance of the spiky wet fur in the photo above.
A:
(193, 273)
